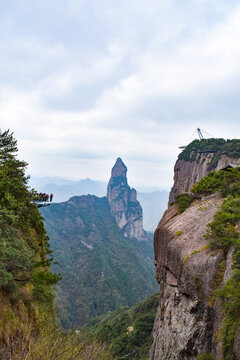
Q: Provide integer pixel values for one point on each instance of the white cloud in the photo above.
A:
(128, 79)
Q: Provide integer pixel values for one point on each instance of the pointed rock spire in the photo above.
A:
(123, 203)
(119, 168)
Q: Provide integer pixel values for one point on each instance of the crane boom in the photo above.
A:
(200, 134)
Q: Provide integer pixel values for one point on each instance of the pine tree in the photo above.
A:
(8, 144)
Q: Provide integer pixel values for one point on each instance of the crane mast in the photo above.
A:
(200, 134)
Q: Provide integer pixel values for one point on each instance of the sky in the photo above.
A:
(83, 82)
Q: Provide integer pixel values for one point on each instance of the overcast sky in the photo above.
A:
(86, 81)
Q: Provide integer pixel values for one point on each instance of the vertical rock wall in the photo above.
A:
(185, 267)
(123, 203)
(188, 173)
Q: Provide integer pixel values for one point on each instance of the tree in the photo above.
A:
(8, 144)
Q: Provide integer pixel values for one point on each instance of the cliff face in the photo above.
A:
(186, 269)
(190, 319)
(123, 203)
(188, 173)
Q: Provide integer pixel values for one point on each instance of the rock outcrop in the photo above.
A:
(188, 173)
(189, 317)
(186, 267)
(123, 203)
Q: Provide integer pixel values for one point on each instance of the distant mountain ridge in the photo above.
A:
(153, 203)
(64, 189)
(102, 267)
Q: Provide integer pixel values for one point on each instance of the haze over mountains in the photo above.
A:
(104, 255)
(153, 201)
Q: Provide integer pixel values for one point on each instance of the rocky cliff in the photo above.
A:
(191, 320)
(200, 157)
(188, 270)
(185, 269)
(123, 203)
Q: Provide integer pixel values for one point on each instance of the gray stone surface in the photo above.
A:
(187, 173)
(123, 203)
(185, 268)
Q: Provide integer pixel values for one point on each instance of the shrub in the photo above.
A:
(208, 184)
(184, 201)
(222, 233)
(206, 356)
(178, 233)
(221, 180)
(196, 146)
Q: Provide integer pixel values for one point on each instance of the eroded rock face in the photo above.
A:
(185, 269)
(123, 203)
(187, 173)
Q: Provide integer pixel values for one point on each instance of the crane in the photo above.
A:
(200, 135)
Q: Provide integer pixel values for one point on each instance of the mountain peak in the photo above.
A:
(123, 203)
(119, 169)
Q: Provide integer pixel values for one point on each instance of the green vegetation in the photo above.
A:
(128, 331)
(205, 356)
(24, 244)
(195, 252)
(228, 182)
(190, 152)
(223, 232)
(178, 233)
(28, 324)
(25, 279)
(123, 333)
(220, 146)
(101, 269)
(52, 343)
(184, 201)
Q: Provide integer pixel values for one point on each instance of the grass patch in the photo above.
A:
(195, 252)
(178, 233)
(205, 356)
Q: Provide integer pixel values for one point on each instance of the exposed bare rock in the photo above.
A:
(228, 271)
(123, 203)
(185, 269)
(188, 173)
(225, 160)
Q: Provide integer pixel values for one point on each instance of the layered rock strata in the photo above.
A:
(123, 203)
(186, 269)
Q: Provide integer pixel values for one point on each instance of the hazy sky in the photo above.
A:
(86, 81)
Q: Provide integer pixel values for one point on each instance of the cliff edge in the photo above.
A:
(200, 157)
